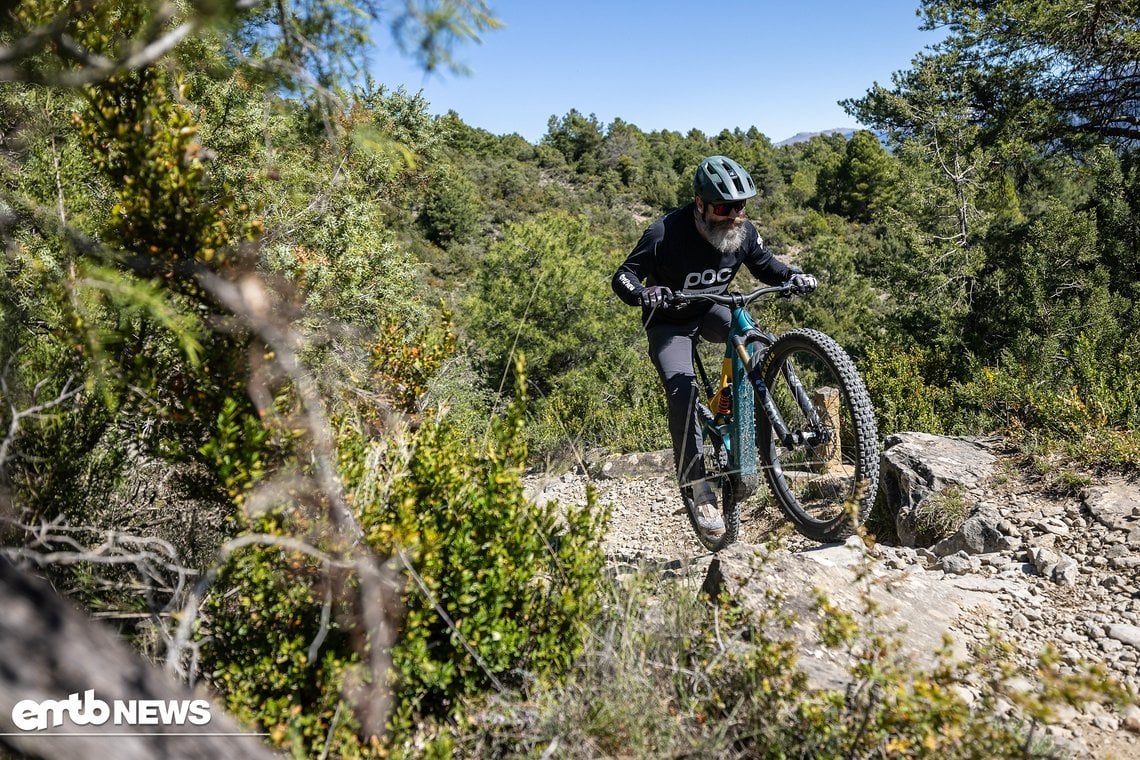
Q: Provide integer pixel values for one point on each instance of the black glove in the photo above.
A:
(654, 296)
(803, 283)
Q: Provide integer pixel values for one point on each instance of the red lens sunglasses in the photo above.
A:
(727, 209)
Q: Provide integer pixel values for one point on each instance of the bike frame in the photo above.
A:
(742, 430)
(741, 368)
(738, 435)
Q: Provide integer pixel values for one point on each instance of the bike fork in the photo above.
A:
(779, 427)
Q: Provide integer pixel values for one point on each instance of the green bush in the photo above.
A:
(262, 620)
(110, 303)
(518, 581)
(594, 407)
(901, 396)
(544, 291)
(498, 593)
(451, 210)
(404, 363)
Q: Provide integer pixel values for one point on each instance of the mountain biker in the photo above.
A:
(696, 249)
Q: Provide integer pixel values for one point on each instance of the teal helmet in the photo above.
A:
(720, 179)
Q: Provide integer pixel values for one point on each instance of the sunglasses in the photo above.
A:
(727, 209)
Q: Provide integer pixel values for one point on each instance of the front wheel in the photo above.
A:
(824, 472)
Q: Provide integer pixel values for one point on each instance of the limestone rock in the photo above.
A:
(980, 534)
(628, 466)
(1113, 504)
(1055, 566)
(916, 465)
(1126, 634)
(923, 605)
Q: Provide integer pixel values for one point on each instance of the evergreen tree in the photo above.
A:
(864, 181)
(1059, 69)
(578, 139)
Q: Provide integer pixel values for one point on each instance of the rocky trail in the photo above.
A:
(1039, 566)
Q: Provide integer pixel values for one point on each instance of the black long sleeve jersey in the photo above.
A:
(673, 253)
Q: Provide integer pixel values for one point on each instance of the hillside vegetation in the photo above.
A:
(262, 307)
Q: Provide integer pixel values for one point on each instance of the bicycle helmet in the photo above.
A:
(720, 179)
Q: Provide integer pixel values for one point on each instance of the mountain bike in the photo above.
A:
(793, 407)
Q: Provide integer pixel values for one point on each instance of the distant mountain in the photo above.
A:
(800, 137)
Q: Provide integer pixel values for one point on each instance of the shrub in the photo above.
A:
(597, 407)
(258, 644)
(498, 592)
(451, 210)
(544, 291)
(517, 580)
(404, 364)
(902, 398)
(940, 514)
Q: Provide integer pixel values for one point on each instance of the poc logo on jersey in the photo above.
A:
(708, 277)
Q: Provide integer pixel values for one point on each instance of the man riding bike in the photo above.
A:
(696, 249)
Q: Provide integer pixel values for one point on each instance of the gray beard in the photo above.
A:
(725, 238)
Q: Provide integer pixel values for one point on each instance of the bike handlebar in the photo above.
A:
(734, 299)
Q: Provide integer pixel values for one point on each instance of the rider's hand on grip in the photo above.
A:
(655, 295)
(803, 283)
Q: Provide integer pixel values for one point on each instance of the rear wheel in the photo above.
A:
(717, 471)
(824, 474)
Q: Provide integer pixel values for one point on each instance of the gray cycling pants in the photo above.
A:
(671, 349)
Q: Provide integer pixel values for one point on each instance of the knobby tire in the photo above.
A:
(716, 468)
(826, 490)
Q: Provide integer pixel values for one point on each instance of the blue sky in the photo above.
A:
(778, 66)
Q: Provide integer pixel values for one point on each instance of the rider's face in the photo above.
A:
(725, 231)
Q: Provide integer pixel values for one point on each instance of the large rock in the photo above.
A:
(630, 466)
(916, 465)
(1116, 505)
(921, 607)
(1127, 634)
(980, 534)
(1055, 566)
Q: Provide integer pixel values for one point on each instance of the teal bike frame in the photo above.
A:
(742, 426)
(734, 438)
